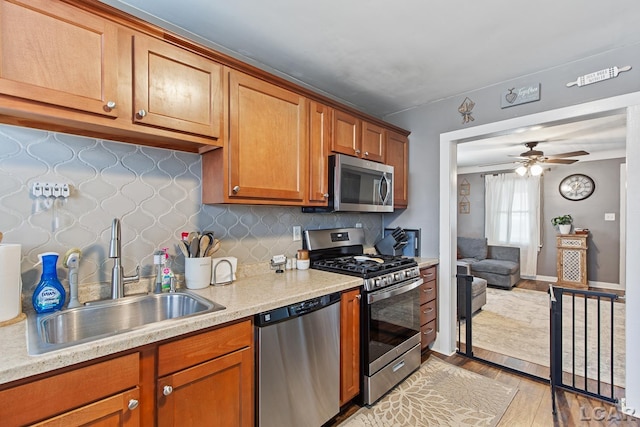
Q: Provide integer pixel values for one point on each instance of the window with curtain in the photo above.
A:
(512, 216)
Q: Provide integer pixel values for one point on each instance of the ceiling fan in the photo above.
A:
(531, 160)
(537, 156)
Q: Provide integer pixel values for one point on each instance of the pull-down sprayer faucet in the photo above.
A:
(118, 279)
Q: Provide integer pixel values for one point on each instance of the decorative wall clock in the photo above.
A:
(576, 187)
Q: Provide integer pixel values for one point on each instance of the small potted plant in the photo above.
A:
(563, 222)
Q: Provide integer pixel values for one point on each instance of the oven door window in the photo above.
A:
(390, 322)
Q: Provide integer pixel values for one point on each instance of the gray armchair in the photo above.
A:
(478, 290)
(499, 265)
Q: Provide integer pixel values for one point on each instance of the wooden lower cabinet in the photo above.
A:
(218, 389)
(216, 393)
(428, 306)
(105, 393)
(205, 379)
(349, 345)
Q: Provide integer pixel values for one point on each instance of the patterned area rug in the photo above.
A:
(438, 394)
(516, 323)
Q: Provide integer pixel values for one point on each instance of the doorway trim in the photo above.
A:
(446, 339)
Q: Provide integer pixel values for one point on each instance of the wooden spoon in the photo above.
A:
(205, 242)
(184, 248)
(213, 247)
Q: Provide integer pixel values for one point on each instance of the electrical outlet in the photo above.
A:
(610, 217)
(297, 233)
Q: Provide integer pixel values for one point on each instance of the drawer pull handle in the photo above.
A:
(167, 390)
(428, 331)
(427, 290)
(428, 310)
(133, 404)
(429, 276)
(398, 366)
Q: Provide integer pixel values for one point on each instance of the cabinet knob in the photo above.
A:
(133, 404)
(141, 113)
(357, 151)
(359, 297)
(366, 153)
(110, 105)
(325, 195)
(236, 189)
(167, 390)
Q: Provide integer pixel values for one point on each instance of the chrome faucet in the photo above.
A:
(118, 278)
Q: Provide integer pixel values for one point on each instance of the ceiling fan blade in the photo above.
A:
(570, 154)
(561, 161)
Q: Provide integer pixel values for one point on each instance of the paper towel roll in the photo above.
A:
(11, 283)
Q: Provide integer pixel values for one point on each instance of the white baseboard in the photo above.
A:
(592, 283)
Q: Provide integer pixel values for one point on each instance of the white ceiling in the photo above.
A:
(602, 137)
(383, 57)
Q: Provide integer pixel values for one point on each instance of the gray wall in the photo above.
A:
(603, 255)
(427, 122)
(155, 193)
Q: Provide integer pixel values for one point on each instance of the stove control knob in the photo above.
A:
(383, 281)
(376, 283)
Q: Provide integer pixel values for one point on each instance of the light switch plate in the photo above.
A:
(610, 217)
(297, 233)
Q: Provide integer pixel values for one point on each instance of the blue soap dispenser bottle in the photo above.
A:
(49, 294)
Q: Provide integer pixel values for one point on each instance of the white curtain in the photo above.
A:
(512, 216)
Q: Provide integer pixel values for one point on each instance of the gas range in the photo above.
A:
(341, 251)
(377, 271)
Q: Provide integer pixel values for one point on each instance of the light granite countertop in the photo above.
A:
(248, 295)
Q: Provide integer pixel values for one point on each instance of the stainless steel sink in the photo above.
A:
(53, 331)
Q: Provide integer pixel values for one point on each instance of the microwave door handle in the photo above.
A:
(385, 181)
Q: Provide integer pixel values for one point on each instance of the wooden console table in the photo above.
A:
(571, 262)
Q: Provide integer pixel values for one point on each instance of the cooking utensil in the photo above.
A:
(205, 242)
(194, 247)
(213, 247)
(183, 245)
(366, 258)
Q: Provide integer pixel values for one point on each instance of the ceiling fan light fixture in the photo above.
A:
(536, 170)
(521, 170)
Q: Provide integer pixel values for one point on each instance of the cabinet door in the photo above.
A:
(61, 393)
(268, 141)
(54, 53)
(349, 345)
(373, 142)
(397, 155)
(215, 393)
(320, 117)
(346, 134)
(120, 410)
(176, 89)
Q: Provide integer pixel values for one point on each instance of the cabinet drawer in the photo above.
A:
(428, 292)
(428, 274)
(428, 334)
(60, 393)
(190, 351)
(428, 312)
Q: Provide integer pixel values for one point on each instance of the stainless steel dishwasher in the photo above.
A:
(298, 372)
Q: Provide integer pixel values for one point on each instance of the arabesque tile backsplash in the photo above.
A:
(156, 194)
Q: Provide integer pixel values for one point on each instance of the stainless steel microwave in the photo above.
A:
(357, 185)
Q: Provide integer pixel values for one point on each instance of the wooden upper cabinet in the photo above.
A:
(373, 142)
(53, 53)
(176, 89)
(268, 141)
(320, 119)
(347, 131)
(397, 155)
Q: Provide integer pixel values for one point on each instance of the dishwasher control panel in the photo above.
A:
(295, 310)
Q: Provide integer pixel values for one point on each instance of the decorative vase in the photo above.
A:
(564, 228)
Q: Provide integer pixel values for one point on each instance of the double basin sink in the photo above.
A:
(54, 331)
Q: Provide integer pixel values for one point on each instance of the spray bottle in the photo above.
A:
(49, 294)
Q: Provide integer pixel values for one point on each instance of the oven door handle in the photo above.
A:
(388, 293)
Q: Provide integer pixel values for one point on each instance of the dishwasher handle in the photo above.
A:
(295, 310)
